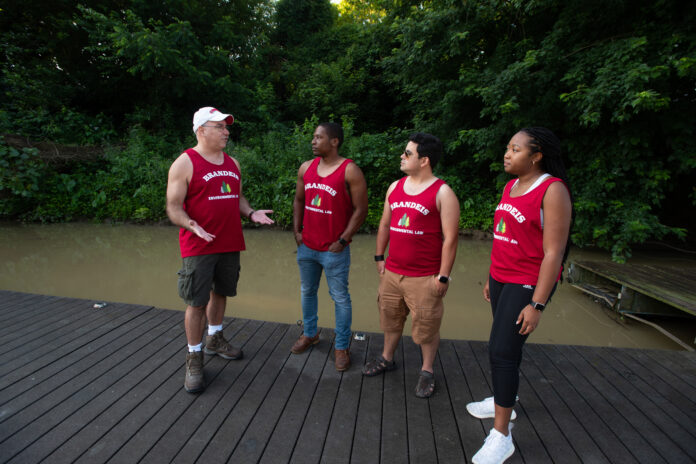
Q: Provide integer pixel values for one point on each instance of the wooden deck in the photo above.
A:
(639, 288)
(79, 384)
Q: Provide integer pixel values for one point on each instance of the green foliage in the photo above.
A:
(614, 80)
(21, 174)
(270, 163)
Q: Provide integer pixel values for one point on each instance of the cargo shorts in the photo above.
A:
(200, 274)
(400, 295)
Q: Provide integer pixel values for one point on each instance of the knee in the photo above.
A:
(502, 357)
(309, 288)
(340, 296)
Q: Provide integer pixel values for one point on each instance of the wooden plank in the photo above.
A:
(663, 381)
(636, 432)
(680, 362)
(226, 439)
(24, 365)
(34, 307)
(281, 443)
(116, 395)
(22, 306)
(156, 394)
(58, 313)
(602, 435)
(339, 438)
(447, 443)
(676, 443)
(671, 285)
(368, 424)
(467, 382)
(28, 377)
(56, 375)
(254, 439)
(565, 438)
(73, 413)
(528, 445)
(310, 442)
(421, 441)
(237, 332)
(178, 405)
(394, 430)
(107, 410)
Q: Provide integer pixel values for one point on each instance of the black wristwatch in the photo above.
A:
(537, 306)
(444, 279)
(343, 242)
(379, 257)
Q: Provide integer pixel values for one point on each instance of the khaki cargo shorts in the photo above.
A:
(400, 295)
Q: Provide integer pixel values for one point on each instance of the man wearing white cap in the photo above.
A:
(204, 198)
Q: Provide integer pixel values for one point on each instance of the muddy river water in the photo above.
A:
(138, 264)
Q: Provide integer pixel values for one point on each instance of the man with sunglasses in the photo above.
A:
(420, 223)
(204, 198)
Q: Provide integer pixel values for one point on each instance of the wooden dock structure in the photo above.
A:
(639, 289)
(80, 384)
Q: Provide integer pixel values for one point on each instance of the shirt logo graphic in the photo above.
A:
(225, 188)
(404, 221)
(501, 227)
(316, 201)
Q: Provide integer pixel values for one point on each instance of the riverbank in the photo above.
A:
(137, 264)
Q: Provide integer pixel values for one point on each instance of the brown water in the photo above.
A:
(138, 264)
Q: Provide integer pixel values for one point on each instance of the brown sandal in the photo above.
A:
(377, 366)
(426, 384)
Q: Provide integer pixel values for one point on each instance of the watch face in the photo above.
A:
(444, 279)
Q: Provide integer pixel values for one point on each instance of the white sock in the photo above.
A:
(212, 329)
(194, 348)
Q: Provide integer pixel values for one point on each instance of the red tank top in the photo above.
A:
(415, 231)
(328, 206)
(212, 200)
(518, 237)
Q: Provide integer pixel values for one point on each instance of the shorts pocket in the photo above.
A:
(185, 284)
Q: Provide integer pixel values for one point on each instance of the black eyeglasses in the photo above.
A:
(219, 127)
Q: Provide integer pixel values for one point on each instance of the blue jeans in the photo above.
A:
(336, 266)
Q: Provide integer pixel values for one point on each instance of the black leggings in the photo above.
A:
(505, 343)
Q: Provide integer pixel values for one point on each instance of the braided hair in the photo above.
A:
(544, 141)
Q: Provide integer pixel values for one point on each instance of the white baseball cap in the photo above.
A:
(209, 113)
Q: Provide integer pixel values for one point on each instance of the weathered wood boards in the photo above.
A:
(106, 386)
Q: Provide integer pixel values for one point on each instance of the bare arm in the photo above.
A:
(383, 230)
(448, 205)
(298, 203)
(557, 213)
(177, 185)
(357, 187)
(245, 209)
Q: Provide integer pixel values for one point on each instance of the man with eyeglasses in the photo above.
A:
(420, 223)
(204, 198)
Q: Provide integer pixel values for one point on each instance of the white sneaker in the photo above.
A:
(496, 448)
(485, 409)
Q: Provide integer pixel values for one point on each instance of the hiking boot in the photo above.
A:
(342, 360)
(485, 409)
(303, 343)
(217, 345)
(194, 381)
(496, 448)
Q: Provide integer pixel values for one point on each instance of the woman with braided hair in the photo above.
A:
(531, 241)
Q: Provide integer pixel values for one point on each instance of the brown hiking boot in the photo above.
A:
(303, 343)
(342, 360)
(217, 345)
(194, 381)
